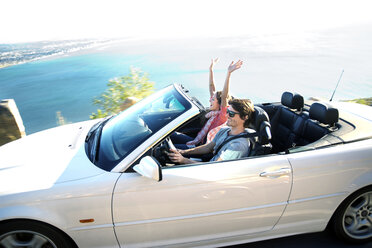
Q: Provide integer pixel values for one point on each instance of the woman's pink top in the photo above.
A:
(215, 119)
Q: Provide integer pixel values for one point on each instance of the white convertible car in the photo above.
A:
(108, 183)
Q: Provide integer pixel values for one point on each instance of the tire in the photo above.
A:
(352, 221)
(25, 233)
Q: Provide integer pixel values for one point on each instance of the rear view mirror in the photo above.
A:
(150, 168)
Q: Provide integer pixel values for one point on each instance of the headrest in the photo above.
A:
(323, 113)
(261, 123)
(259, 116)
(292, 100)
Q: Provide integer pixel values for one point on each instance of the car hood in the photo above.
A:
(40, 160)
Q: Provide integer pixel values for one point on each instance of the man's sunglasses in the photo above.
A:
(231, 113)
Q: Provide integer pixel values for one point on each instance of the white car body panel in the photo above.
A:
(53, 152)
(319, 188)
(73, 190)
(192, 201)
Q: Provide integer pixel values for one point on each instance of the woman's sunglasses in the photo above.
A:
(231, 113)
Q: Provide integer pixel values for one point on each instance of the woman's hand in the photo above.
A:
(214, 61)
(191, 143)
(234, 66)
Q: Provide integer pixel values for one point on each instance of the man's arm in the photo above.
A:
(176, 155)
(199, 150)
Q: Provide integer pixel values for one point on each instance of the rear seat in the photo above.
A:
(290, 129)
(321, 114)
(286, 125)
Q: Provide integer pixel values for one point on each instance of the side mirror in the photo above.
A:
(150, 168)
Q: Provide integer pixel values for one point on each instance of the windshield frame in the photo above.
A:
(190, 111)
(163, 132)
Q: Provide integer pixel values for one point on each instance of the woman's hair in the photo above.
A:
(219, 99)
(245, 107)
(218, 96)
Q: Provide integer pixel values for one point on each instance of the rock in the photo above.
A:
(11, 124)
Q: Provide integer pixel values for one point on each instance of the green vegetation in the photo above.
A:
(135, 85)
(365, 101)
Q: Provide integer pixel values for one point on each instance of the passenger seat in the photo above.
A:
(261, 123)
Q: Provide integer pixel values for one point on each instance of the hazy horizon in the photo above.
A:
(43, 20)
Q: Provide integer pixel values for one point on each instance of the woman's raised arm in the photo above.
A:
(212, 87)
(225, 92)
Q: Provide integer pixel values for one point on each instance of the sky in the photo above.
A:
(36, 20)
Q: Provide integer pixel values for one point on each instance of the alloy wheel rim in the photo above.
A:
(22, 239)
(357, 220)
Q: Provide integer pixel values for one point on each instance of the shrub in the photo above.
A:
(135, 85)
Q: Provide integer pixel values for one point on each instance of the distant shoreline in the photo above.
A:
(8, 65)
(47, 50)
(57, 54)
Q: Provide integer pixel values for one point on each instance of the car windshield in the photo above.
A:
(127, 130)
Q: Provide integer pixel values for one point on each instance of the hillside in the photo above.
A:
(366, 101)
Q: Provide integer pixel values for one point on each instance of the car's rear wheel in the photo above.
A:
(26, 233)
(352, 221)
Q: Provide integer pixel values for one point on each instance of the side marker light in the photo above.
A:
(87, 221)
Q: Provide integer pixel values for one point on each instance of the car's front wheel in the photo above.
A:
(352, 221)
(24, 233)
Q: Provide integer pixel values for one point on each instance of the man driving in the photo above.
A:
(228, 143)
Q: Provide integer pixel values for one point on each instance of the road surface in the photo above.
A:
(314, 240)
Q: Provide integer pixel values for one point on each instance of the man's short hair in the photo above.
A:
(245, 107)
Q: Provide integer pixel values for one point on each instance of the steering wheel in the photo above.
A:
(168, 144)
(160, 152)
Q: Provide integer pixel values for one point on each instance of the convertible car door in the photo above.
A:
(201, 202)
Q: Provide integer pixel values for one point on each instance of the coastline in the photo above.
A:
(5, 65)
(48, 50)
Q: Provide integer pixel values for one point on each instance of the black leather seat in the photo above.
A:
(261, 123)
(287, 125)
(292, 100)
(322, 116)
(324, 113)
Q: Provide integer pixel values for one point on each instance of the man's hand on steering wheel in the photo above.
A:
(175, 156)
(168, 144)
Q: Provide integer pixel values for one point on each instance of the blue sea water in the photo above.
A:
(309, 63)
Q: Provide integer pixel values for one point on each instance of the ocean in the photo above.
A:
(65, 77)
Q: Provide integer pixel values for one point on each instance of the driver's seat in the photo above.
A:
(261, 123)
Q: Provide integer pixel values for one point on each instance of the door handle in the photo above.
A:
(277, 173)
